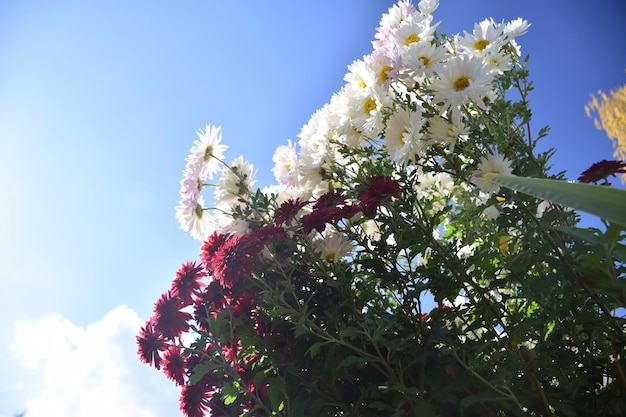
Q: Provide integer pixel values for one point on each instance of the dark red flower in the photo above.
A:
(150, 342)
(378, 188)
(210, 247)
(317, 220)
(194, 399)
(169, 320)
(331, 199)
(174, 365)
(288, 211)
(601, 171)
(234, 260)
(187, 282)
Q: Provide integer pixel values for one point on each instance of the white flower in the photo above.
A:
(334, 246)
(498, 62)
(397, 14)
(360, 75)
(193, 181)
(194, 218)
(423, 59)
(494, 164)
(491, 213)
(317, 135)
(366, 109)
(542, 207)
(235, 183)
(463, 79)
(448, 131)
(427, 7)
(208, 150)
(286, 165)
(403, 136)
(488, 37)
(415, 28)
(515, 28)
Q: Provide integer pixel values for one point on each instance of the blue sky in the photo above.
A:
(99, 105)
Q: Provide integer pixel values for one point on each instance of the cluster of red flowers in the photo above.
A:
(227, 261)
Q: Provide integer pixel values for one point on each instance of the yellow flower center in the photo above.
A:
(425, 60)
(481, 44)
(370, 105)
(287, 165)
(330, 256)
(382, 74)
(198, 211)
(404, 132)
(208, 153)
(461, 83)
(413, 37)
(362, 84)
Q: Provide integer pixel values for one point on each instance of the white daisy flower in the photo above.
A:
(208, 150)
(498, 62)
(235, 182)
(414, 29)
(334, 246)
(366, 109)
(488, 37)
(386, 64)
(397, 14)
(423, 59)
(286, 165)
(427, 7)
(494, 164)
(194, 218)
(193, 180)
(448, 131)
(360, 74)
(403, 136)
(463, 79)
(515, 28)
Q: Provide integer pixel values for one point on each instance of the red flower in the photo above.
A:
(329, 208)
(378, 188)
(194, 399)
(330, 199)
(174, 365)
(234, 260)
(601, 171)
(150, 342)
(168, 319)
(288, 211)
(210, 247)
(187, 282)
(317, 220)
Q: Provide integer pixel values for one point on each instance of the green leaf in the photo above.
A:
(200, 370)
(602, 201)
(229, 393)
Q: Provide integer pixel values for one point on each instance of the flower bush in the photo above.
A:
(387, 273)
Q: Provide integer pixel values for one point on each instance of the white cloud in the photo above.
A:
(92, 371)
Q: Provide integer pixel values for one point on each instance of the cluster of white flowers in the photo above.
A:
(414, 91)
